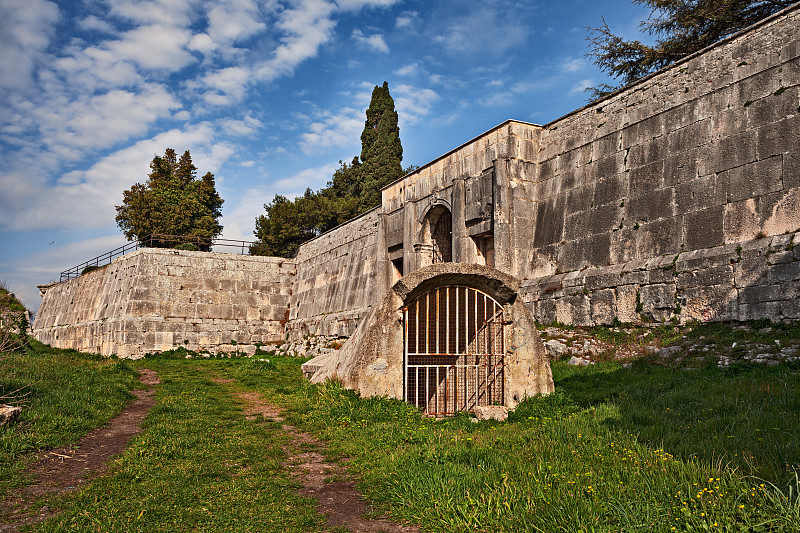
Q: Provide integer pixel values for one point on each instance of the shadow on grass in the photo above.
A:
(746, 416)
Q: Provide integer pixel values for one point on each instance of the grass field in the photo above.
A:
(64, 394)
(614, 449)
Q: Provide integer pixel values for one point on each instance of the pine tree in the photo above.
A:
(286, 225)
(681, 27)
(172, 202)
(381, 150)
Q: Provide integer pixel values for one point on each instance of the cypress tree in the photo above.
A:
(381, 151)
(353, 189)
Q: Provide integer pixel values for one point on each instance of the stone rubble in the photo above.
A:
(582, 348)
(311, 346)
(9, 413)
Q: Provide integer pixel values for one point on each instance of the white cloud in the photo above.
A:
(93, 23)
(92, 69)
(573, 64)
(412, 69)
(374, 42)
(313, 178)
(481, 31)
(178, 12)
(333, 130)
(241, 128)
(582, 85)
(232, 20)
(25, 31)
(154, 47)
(353, 5)
(92, 193)
(407, 20)
(202, 42)
(413, 103)
(306, 27)
(228, 85)
(69, 127)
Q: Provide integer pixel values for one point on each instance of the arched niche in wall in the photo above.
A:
(435, 243)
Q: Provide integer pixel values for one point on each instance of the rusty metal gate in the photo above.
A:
(454, 350)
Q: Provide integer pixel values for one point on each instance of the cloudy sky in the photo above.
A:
(268, 95)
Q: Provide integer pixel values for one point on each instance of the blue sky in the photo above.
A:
(268, 95)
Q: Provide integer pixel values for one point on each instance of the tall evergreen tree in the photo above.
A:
(172, 202)
(353, 189)
(681, 27)
(381, 150)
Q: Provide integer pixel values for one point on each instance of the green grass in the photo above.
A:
(604, 453)
(64, 394)
(614, 449)
(198, 465)
(746, 416)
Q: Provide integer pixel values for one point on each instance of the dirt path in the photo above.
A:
(339, 500)
(66, 468)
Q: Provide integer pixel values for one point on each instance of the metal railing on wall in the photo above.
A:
(156, 240)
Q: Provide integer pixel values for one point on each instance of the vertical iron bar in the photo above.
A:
(416, 329)
(438, 318)
(427, 321)
(405, 354)
(457, 347)
(447, 337)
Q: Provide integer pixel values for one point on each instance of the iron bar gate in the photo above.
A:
(454, 350)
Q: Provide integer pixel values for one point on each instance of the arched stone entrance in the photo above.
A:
(501, 333)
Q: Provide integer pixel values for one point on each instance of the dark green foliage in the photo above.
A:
(353, 189)
(681, 27)
(172, 202)
(13, 323)
(9, 302)
(287, 224)
(381, 151)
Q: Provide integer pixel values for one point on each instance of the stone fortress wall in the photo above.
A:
(154, 300)
(336, 272)
(677, 197)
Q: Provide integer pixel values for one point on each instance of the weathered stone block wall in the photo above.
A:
(154, 300)
(510, 140)
(335, 279)
(671, 176)
(752, 280)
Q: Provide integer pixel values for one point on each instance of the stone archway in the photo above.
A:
(373, 359)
